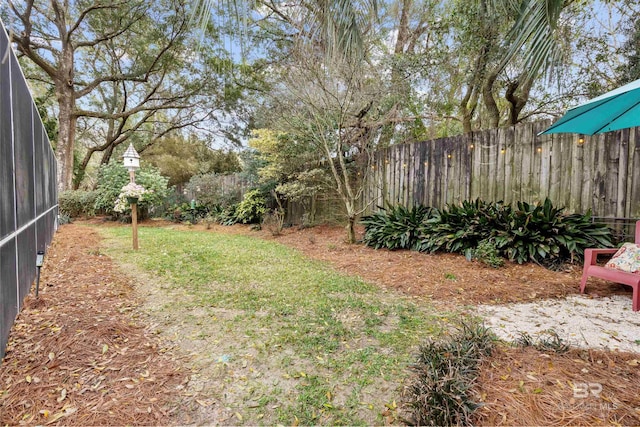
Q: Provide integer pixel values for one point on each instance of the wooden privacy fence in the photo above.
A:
(601, 173)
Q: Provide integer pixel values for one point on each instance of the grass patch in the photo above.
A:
(303, 343)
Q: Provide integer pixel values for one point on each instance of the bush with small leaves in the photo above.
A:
(114, 176)
(77, 203)
(252, 208)
(487, 253)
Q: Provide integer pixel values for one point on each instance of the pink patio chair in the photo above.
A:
(591, 269)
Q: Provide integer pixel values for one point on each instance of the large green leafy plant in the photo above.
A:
(395, 228)
(252, 208)
(114, 176)
(544, 234)
(539, 233)
(461, 228)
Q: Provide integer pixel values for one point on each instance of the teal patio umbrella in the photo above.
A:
(618, 109)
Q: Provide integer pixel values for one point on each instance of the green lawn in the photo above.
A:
(276, 338)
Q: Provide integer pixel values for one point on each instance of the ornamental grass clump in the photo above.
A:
(440, 390)
(548, 341)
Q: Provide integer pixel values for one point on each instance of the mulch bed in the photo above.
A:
(77, 355)
(524, 386)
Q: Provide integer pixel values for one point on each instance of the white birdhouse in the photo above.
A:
(131, 159)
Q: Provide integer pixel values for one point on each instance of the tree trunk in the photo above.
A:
(106, 155)
(351, 229)
(489, 100)
(65, 94)
(66, 136)
(517, 101)
(468, 107)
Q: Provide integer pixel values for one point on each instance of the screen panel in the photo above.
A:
(26, 260)
(22, 146)
(8, 291)
(7, 206)
(41, 164)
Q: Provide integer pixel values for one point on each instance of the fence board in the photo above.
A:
(420, 198)
(633, 201)
(506, 153)
(461, 149)
(518, 158)
(476, 160)
(528, 152)
(484, 166)
(430, 190)
(410, 173)
(499, 159)
(622, 138)
(588, 155)
(555, 176)
(545, 167)
(492, 164)
(575, 178)
(448, 184)
(613, 161)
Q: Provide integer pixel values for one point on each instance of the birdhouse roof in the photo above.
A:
(131, 152)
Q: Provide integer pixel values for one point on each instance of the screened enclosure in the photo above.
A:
(28, 192)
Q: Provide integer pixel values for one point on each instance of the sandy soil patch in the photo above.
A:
(581, 321)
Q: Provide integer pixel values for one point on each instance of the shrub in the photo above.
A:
(439, 391)
(274, 221)
(396, 227)
(543, 234)
(114, 176)
(77, 203)
(64, 219)
(228, 215)
(252, 208)
(487, 253)
(186, 212)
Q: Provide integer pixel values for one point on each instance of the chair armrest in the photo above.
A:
(591, 254)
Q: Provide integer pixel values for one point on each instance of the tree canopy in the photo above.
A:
(325, 83)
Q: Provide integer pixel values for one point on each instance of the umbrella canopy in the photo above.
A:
(618, 109)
